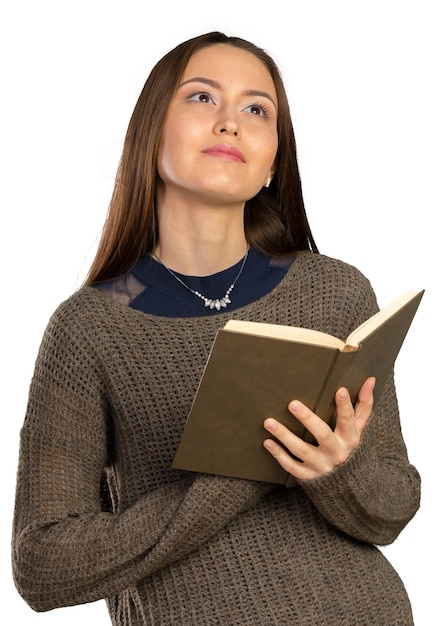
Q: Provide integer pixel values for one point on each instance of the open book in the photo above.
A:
(255, 369)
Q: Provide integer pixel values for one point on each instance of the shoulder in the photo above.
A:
(81, 317)
(83, 303)
(324, 265)
(336, 291)
(83, 330)
(334, 274)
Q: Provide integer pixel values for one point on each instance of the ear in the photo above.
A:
(270, 176)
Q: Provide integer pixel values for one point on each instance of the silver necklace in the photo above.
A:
(211, 303)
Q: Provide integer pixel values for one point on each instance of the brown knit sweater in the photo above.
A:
(110, 394)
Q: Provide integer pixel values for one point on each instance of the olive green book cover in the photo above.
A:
(255, 369)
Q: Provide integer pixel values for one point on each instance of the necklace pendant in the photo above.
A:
(218, 303)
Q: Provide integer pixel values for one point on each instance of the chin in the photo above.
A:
(229, 190)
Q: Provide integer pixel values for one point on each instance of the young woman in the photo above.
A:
(206, 223)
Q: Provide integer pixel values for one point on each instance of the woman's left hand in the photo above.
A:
(334, 446)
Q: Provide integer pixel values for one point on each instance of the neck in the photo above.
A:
(200, 241)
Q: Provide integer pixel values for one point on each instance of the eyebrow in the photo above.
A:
(217, 85)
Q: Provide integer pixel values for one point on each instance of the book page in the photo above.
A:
(367, 327)
(287, 333)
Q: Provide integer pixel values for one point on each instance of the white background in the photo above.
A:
(360, 79)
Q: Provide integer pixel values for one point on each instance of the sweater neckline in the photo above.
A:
(124, 289)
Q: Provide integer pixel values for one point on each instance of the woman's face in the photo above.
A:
(219, 138)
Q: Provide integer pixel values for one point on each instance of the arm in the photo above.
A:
(66, 549)
(359, 475)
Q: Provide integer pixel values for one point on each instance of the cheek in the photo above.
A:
(270, 148)
(169, 148)
(264, 145)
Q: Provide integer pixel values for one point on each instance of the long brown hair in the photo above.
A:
(275, 219)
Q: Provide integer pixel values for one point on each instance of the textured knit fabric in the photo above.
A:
(111, 391)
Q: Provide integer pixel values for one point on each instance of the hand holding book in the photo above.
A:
(334, 446)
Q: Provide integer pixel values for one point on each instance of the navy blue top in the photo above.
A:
(164, 296)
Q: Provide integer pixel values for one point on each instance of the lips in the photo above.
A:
(225, 151)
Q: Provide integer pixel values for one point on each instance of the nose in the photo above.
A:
(227, 123)
(226, 130)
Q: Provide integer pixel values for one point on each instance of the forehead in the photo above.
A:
(228, 64)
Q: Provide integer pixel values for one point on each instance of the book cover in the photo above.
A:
(249, 376)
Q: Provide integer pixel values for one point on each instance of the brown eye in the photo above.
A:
(257, 109)
(201, 96)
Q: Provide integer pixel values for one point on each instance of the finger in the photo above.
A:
(297, 446)
(285, 456)
(320, 430)
(364, 404)
(365, 396)
(345, 427)
(351, 421)
(298, 458)
(287, 462)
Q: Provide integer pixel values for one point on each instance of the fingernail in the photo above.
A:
(270, 424)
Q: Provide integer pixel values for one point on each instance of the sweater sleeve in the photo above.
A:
(67, 549)
(376, 492)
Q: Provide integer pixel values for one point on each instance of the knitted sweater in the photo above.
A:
(101, 514)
